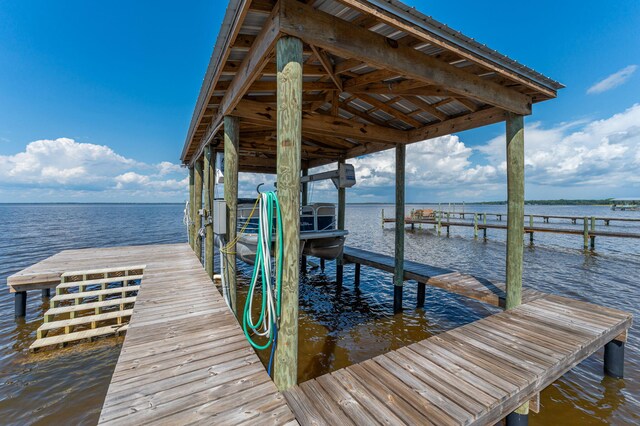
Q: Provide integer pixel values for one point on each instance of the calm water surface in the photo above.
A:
(337, 328)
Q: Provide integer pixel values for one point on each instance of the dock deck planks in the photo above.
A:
(475, 374)
(447, 279)
(184, 358)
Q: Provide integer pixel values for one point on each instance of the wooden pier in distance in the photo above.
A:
(588, 231)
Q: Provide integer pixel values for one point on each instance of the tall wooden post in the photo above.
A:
(342, 205)
(209, 185)
(304, 202)
(515, 225)
(231, 143)
(191, 225)
(197, 206)
(398, 270)
(289, 98)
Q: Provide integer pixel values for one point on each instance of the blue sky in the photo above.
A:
(96, 98)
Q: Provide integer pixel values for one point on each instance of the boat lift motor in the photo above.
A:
(343, 177)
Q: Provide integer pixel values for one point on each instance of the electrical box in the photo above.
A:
(219, 217)
(346, 176)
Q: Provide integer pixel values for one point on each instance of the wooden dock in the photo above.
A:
(545, 217)
(473, 375)
(447, 279)
(185, 357)
(588, 231)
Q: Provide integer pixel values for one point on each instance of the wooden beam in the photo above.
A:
(341, 38)
(253, 63)
(425, 106)
(326, 63)
(368, 78)
(270, 86)
(231, 160)
(322, 124)
(209, 189)
(232, 67)
(289, 113)
(515, 209)
(426, 36)
(398, 269)
(458, 124)
(378, 104)
(405, 87)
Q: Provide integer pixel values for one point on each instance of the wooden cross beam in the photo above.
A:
(341, 38)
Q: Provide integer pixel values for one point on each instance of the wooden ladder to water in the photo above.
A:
(89, 304)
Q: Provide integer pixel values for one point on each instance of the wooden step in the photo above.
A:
(87, 306)
(94, 293)
(103, 270)
(87, 319)
(99, 281)
(78, 335)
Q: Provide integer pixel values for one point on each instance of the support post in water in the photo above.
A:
(342, 204)
(209, 185)
(46, 293)
(475, 225)
(585, 233)
(356, 278)
(289, 145)
(515, 229)
(21, 303)
(593, 237)
(231, 143)
(191, 225)
(614, 357)
(197, 207)
(304, 201)
(398, 270)
(531, 226)
(421, 295)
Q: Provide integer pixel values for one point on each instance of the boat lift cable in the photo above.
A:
(270, 281)
(186, 219)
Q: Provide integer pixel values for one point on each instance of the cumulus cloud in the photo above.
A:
(72, 168)
(613, 81)
(596, 158)
(599, 153)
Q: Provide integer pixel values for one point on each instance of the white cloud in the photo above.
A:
(600, 153)
(613, 81)
(74, 169)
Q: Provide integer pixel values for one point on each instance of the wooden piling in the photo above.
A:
(421, 295)
(356, 277)
(231, 143)
(593, 237)
(289, 114)
(209, 185)
(531, 226)
(197, 206)
(342, 205)
(398, 271)
(585, 233)
(475, 225)
(515, 217)
(515, 208)
(191, 225)
(304, 201)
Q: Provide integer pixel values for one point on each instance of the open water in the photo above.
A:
(337, 328)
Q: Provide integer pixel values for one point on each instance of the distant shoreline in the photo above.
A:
(560, 202)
